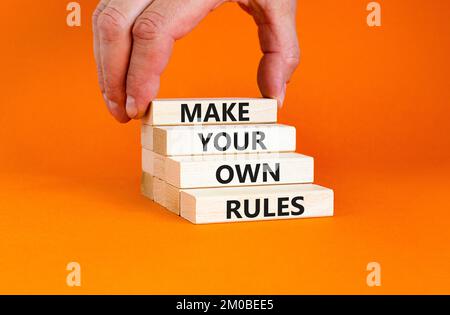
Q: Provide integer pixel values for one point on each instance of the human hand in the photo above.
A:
(133, 41)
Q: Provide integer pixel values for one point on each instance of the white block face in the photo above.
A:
(218, 139)
(238, 169)
(211, 111)
(232, 204)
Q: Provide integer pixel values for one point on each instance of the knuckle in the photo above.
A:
(148, 26)
(111, 24)
(292, 57)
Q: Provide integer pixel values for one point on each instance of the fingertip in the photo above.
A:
(134, 109)
(118, 112)
(123, 119)
(272, 78)
(140, 114)
(282, 95)
(131, 108)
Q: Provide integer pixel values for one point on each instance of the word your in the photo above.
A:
(225, 173)
(234, 207)
(74, 16)
(212, 114)
(257, 138)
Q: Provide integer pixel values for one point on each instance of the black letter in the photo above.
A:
(230, 174)
(275, 175)
(185, 112)
(296, 204)
(282, 206)
(216, 141)
(247, 212)
(247, 171)
(266, 209)
(237, 205)
(243, 111)
(236, 145)
(259, 141)
(227, 111)
(211, 112)
(205, 141)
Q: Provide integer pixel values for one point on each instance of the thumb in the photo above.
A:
(278, 39)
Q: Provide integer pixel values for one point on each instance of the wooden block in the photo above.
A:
(211, 111)
(215, 139)
(238, 169)
(152, 163)
(233, 204)
(161, 192)
(172, 198)
(147, 137)
(147, 185)
(154, 188)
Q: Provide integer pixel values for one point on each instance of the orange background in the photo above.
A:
(370, 104)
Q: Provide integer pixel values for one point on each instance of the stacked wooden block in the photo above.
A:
(227, 160)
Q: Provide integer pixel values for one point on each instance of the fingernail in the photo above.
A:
(113, 107)
(282, 96)
(131, 107)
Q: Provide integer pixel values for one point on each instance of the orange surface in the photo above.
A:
(370, 104)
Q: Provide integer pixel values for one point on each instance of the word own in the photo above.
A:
(226, 173)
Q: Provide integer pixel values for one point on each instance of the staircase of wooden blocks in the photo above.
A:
(227, 160)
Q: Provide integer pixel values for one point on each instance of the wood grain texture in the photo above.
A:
(219, 139)
(238, 170)
(153, 163)
(172, 198)
(211, 111)
(233, 204)
(147, 137)
(161, 192)
(147, 185)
